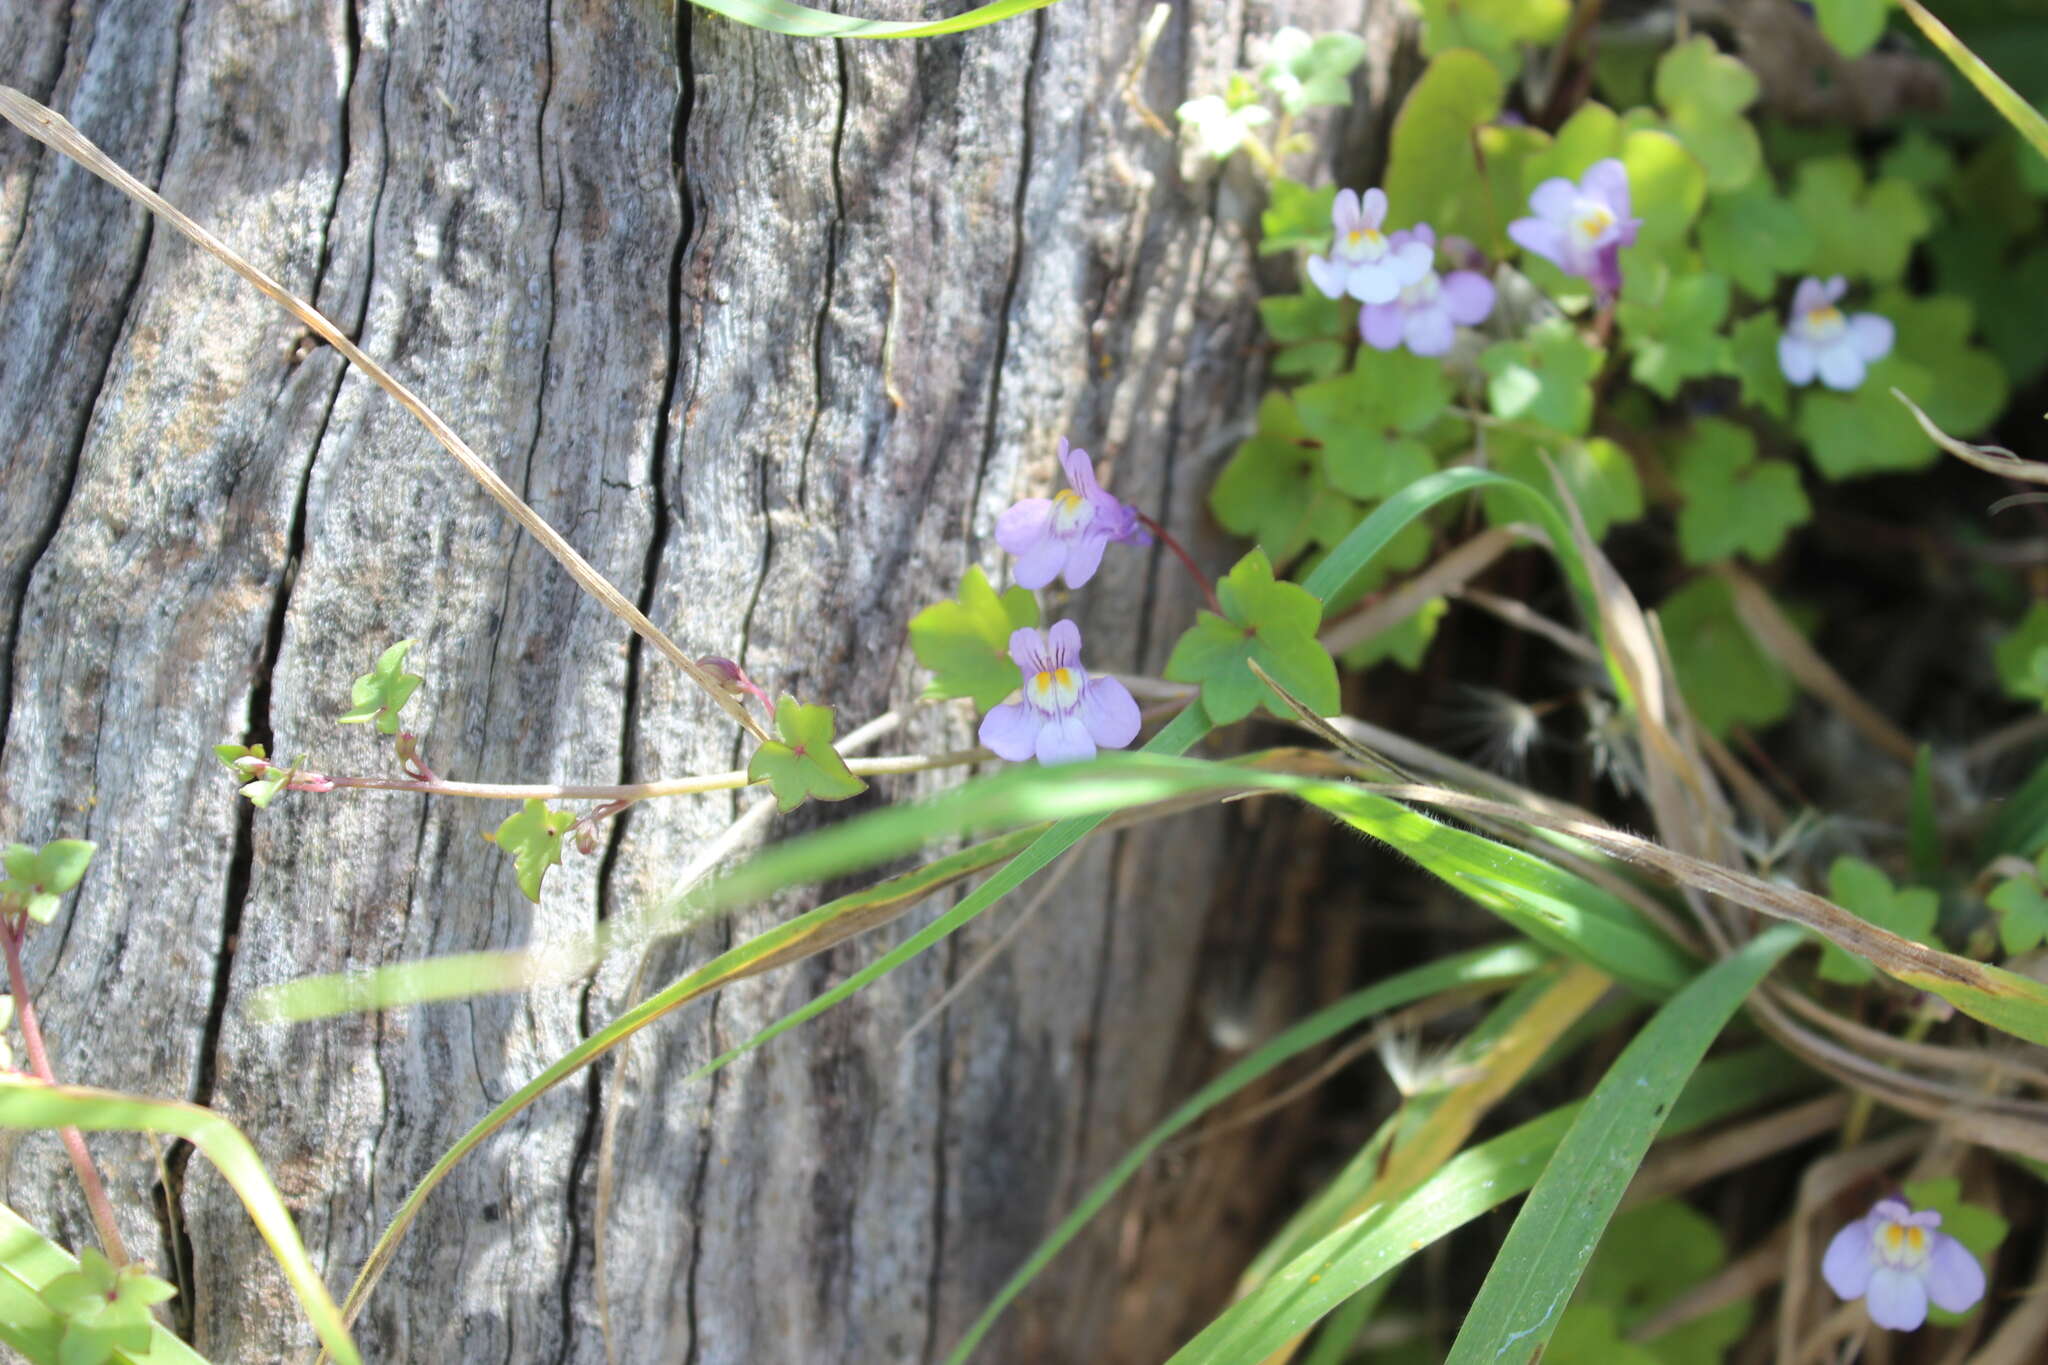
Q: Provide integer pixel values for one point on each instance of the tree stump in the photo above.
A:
(770, 329)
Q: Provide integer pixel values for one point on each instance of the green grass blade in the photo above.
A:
(801, 21)
(1485, 964)
(1368, 1249)
(31, 1106)
(2006, 100)
(1555, 907)
(1554, 1235)
(808, 933)
(28, 1262)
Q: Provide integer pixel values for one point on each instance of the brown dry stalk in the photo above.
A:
(53, 130)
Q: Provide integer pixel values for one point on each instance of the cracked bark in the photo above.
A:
(646, 258)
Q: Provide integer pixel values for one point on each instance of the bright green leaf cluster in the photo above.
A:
(1703, 94)
(1296, 217)
(965, 643)
(1269, 622)
(1734, 502)
(2022, 910)
(1367, 421)
(1273, 491)
(1671, 320)
(104, 1310)
(1311, 72)
(378, 694)
(1497, 29)
(37, 879)
(1864, 891)
(534, 839)
(803, 762)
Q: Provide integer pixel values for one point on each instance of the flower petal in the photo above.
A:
(1412, 261)
(1429, 330)
(1796, 359)
(1344, 211)
(1840, 366)
(1011, 731)
(1380, 325)
(1028, 649)
(1373, 207)
(1834, 288)
(1607, 181)
(1110, 712)
(1041, 563)
(1539, 237)
(1896, 1298)
(1871, 334)
(1425, 234)
(1064, 739)
(1810, 294)
(1022, 524)
(1327, 276)
(1552, 200)
(1063, 644)
(1373, 282)
(1080, 470)
(1467, 297)
(1954, 1279)
(1850, 1260)
(1084, 556)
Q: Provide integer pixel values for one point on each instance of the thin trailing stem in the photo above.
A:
(1187, 560)
(12, 927)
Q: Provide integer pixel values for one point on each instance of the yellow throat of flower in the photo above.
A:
(1904, 1243)
(1593, 220)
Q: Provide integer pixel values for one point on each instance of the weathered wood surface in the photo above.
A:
(646, 262)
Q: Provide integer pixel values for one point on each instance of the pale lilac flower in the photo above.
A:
(1364, 262)
(1066, 533)
(1582, 228)
(1425, 315)
(1062, 714)
(1820, 338)
(1896, 1260)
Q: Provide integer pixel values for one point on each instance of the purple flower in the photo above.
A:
(1066, 533)
(1819, 338)
(1425, 314)
(1363, 262)
(1062, 714)
(1582, 228)
(1896, 1260)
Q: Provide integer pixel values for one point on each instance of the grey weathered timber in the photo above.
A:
(647, 263)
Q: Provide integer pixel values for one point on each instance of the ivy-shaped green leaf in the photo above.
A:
(1862, 231)
(803, 762)
(1273, 491)
(37, 879)
(1297, 216)
(1726, 678)
(1368, 421)
(2022, 914)
(1979, 1229)
(534, 839)
(1966, 388)
(1671, 322)
(1545, 378)
(1598, 474)
(1274, 623)
(1402, 644)
(1431, 173)
(966, 643)
(1311, 73)
(1850, 434)
(1703, 93)
(2022, 656)
(1734, 503)
(1499, 29)
(1853, 26)
(1753, 360)
(378, 694)
(104, 1310)
(1864, 891)
(1754, 237)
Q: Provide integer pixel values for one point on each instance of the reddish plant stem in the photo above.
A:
(1188, 560)
(11, 929)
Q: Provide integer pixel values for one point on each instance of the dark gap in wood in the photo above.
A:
(1027, 107)
(824, 318)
